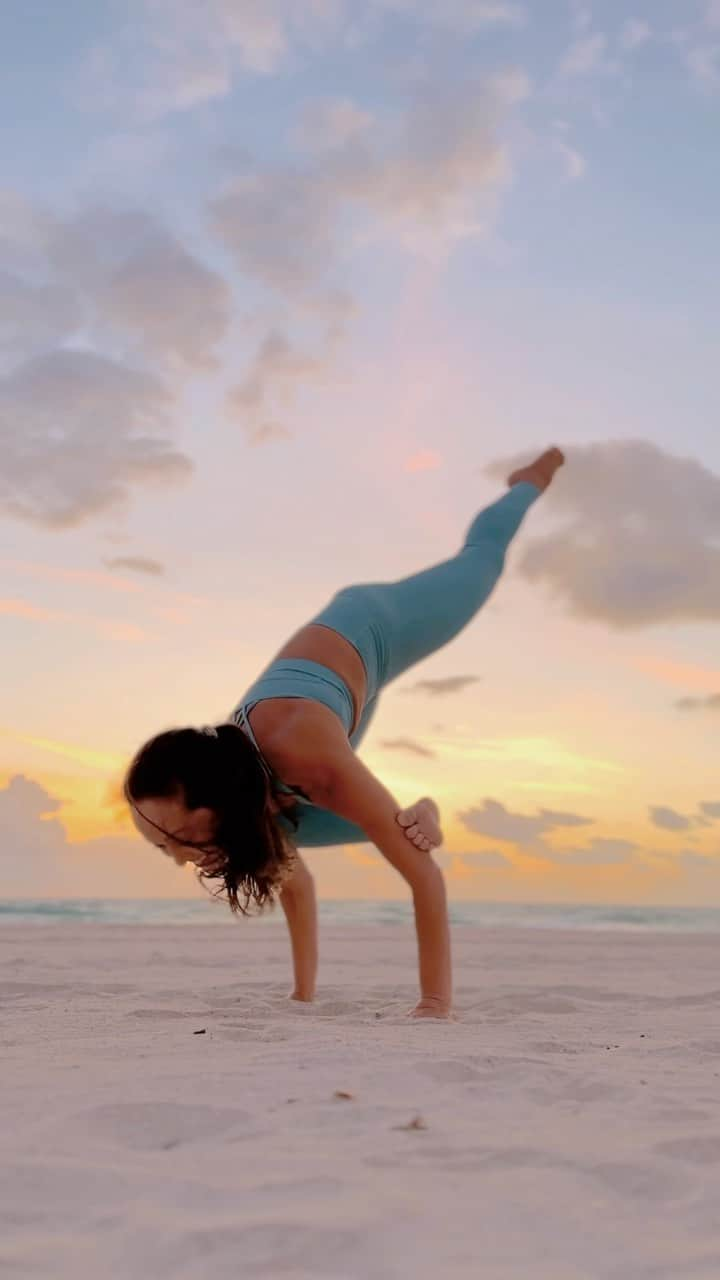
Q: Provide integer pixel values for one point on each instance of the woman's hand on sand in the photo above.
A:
(421, 823)
(433, 1007)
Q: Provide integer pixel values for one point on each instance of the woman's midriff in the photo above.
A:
(316, 643)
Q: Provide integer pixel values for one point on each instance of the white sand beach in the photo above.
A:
(567, 1127)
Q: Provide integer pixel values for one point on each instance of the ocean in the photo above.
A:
(478, 914)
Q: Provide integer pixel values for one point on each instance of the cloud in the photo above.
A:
(34, 317)
(581, 14)
(106, 276)
(584, 56)
(426, 175)
(710, 703)
(275, 374)
(497, 822)
(423, 176)
(490, 860)
(331, 123)
(138, 281)
(33, 841)
(279, 228)
(179, 56)
(460, 864)
(137, 564)
(169, 302)
(703, 63)
(669, 819)
(443, 687)
(461, 15)
(104, 307)
(406, 744)
(691, 861)
(712, 14)
(77, 433)
(23, 803)
(97, 581)
(176, 56)
(601, 852)
(635, 32)
(574, 164)
(38, 861)
(119, 157)
(436, 171)
(638, 539)
(710, 808)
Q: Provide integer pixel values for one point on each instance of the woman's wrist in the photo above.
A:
(433, 1007)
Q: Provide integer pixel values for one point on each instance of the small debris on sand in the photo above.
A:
(344, 1095)
(417, 1122)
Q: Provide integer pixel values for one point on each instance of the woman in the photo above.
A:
(240, 798)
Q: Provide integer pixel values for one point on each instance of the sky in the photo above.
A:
(286, 287)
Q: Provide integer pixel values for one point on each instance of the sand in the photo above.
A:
(566, 1128)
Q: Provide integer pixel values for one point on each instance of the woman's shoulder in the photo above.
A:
(300, 742)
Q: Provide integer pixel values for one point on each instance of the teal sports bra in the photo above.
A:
(294, 678)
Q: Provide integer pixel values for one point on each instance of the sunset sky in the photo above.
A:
(286, 285)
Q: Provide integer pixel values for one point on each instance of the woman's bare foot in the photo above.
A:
(541, 471)
(422, 824)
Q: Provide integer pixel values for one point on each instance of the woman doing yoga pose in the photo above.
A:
(240, 799)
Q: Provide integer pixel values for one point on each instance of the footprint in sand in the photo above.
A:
(160, 1126)
(681, 1115)
(573, 1090)
(54, 1190)
(703, 1149)
(552, 1046)
(449, 1072)
(637, 1181)
(517, 1158)
(167, 1014)
(16, 990)
(269, 1249)
(518, 1006)
(472, 1159)
(334, 1008)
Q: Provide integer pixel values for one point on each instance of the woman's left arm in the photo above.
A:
(316, 755)
(355, 793)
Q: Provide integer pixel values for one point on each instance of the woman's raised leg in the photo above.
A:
(422, 613)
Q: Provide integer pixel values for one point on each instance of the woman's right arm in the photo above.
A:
(297, 899)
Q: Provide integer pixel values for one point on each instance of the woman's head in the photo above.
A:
(202, 796)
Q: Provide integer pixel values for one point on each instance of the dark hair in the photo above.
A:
(220, 770)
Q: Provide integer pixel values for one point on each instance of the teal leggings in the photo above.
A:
(395, 625)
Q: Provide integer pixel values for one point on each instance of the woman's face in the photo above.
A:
(170, 826)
